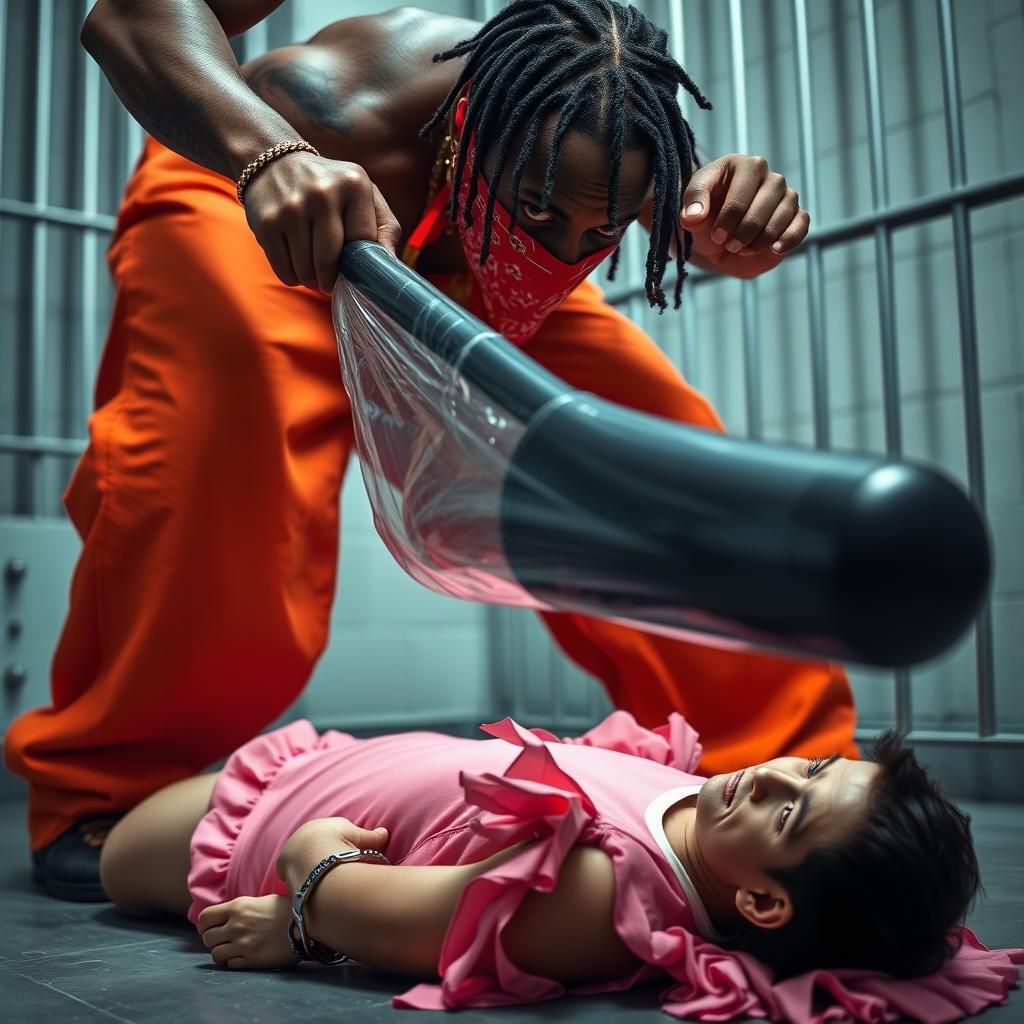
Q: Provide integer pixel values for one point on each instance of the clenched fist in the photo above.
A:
(249, 932)
(302, 209)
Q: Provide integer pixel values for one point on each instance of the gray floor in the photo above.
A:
(76, 963)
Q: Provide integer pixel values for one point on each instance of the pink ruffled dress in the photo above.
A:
(447, 800)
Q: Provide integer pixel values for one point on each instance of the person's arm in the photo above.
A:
(744, 217)
(171, 65)
(394, 917)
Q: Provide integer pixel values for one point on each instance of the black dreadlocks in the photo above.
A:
(578, 55)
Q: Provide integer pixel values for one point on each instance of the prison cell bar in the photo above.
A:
(28, 477)
(813, 251)
(748, 289)
(886, 291)
(90, 236)
(684, 349)
(984, 654)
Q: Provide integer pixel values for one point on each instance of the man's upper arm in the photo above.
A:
(568, 934)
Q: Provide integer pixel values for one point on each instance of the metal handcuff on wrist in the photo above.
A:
(303, 946)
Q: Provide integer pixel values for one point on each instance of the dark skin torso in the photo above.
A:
(360, 91)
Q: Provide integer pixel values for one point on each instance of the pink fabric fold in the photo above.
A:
(675, 743)
(245, 776)
(716, 984)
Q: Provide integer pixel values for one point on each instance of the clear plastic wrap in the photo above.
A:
(434, 452)
(492, 480)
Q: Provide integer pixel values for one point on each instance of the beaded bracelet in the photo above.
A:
(264, 158)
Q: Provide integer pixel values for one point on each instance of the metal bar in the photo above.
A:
(3, 76)
(748, 289)
(815, 268)
(690, 359)
(90, 238)
(635, 263)
(914, 211)
(3, 64)
(16, 444)
(133, 138)
(28, 485)
(952, 739)
(883, 239)
(886, 295)
(984, 647)
(819, 347)
(951, 95)
(676, 42)
(56, 215)
(684, 353)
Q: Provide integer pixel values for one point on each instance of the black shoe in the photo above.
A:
(69, 868)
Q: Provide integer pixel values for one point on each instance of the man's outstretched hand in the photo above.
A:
(744, 218)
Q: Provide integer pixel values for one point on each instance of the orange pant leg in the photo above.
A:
(207, 505)
(747, 707)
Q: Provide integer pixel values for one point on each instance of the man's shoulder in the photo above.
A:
(395, 47)
(371, 76)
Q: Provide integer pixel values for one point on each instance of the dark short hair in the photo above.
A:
(887, 897)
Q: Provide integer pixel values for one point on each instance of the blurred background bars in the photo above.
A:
(886, 299)
(812, 250)
(987, 725)
(751, 344)
(897, 122)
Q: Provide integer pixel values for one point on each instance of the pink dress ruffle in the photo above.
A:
(536, 798)
(718, 985)
(245, 776)
(675, 743)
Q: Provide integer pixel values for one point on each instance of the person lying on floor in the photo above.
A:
(517, 868)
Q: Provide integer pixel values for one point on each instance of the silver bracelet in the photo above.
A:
(302, 945)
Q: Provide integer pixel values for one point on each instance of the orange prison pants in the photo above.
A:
(207, 503)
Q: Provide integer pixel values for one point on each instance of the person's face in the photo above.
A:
(778, 813)
(575, 224)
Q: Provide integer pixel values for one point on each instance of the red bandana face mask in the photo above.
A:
(521, 282)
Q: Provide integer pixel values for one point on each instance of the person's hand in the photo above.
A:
(249, 932)
(303, 208)
(749, 218)
(314, 840)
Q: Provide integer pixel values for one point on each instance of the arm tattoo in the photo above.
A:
(183, 129)
(311, 89)
(176, 123)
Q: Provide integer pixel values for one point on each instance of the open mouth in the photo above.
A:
(732, 785)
